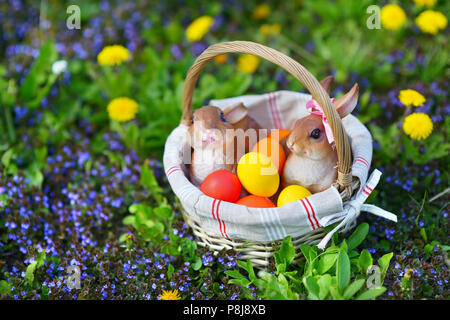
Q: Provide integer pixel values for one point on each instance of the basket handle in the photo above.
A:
(344, 179)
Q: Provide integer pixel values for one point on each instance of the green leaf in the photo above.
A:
(326, 262)
(383, 262)
(148, 180)
(39, 72)
(197, 263)
(248, 266)
(5, 287)
(129, 220)
(251, 271)
(312, 287)
(342, 270)
(423, 233)
(238, 278)
(164, 211)
(34, 175)
(428, 248)
(335, 293)
(358, 236)
(6, 157)
(45, 291)
(324, 283)
(309, 252)
(371, 293)
(40, 259)
(29, 273)
(123, 237)
(188, 247)
(353, 288)
(344, 246)
(274, 288)
(41, 155)
(286, 253)
(170, 270)
(365, 261)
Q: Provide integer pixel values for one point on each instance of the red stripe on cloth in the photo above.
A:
(367, 193)
(277, 111)
(269, 101)
(307, 211)
(175, 169)
(214, 214)
(364, 161)
(221, 221)
(273, 110)
(212, 209)
(172, 167)
(313, 212)
(369, 188)
(168, 172)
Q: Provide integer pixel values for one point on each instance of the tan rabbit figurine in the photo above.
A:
(213, 137)
(312, 160)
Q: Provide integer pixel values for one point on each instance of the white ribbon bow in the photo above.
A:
(353, 208)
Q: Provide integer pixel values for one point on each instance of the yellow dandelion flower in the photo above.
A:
(248, 63)
(408, 274)
(265, 29)
(431, 21)
(170, 295)
(276, 28)
(129, 236)
(198, 28)
(418, 126)
(410, 97)
(427, 3)
(113, 55)
(122, 109)
(268, 29)
(392, 17)
(261, 12)
(221, 59)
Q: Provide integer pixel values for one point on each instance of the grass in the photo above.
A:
(79, 189)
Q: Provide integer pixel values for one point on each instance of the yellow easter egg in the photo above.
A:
(258, 175)
(292, 193)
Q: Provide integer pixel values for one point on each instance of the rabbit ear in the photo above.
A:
(345, 104)
(327, 82)
(235, 112)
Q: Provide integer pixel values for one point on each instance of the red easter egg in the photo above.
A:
(223, 185)
(256, 202)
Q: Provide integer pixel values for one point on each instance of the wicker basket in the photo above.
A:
(260, 252)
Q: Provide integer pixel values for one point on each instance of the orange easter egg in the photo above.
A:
(282, 133)
(273, 149)
(256, 202)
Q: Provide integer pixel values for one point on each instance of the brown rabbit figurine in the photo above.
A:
(313, 160)
(212, 135)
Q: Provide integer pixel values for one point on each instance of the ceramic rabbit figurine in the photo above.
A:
(312, 161)
(212, 135)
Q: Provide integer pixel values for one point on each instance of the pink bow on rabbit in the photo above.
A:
(314, 107)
